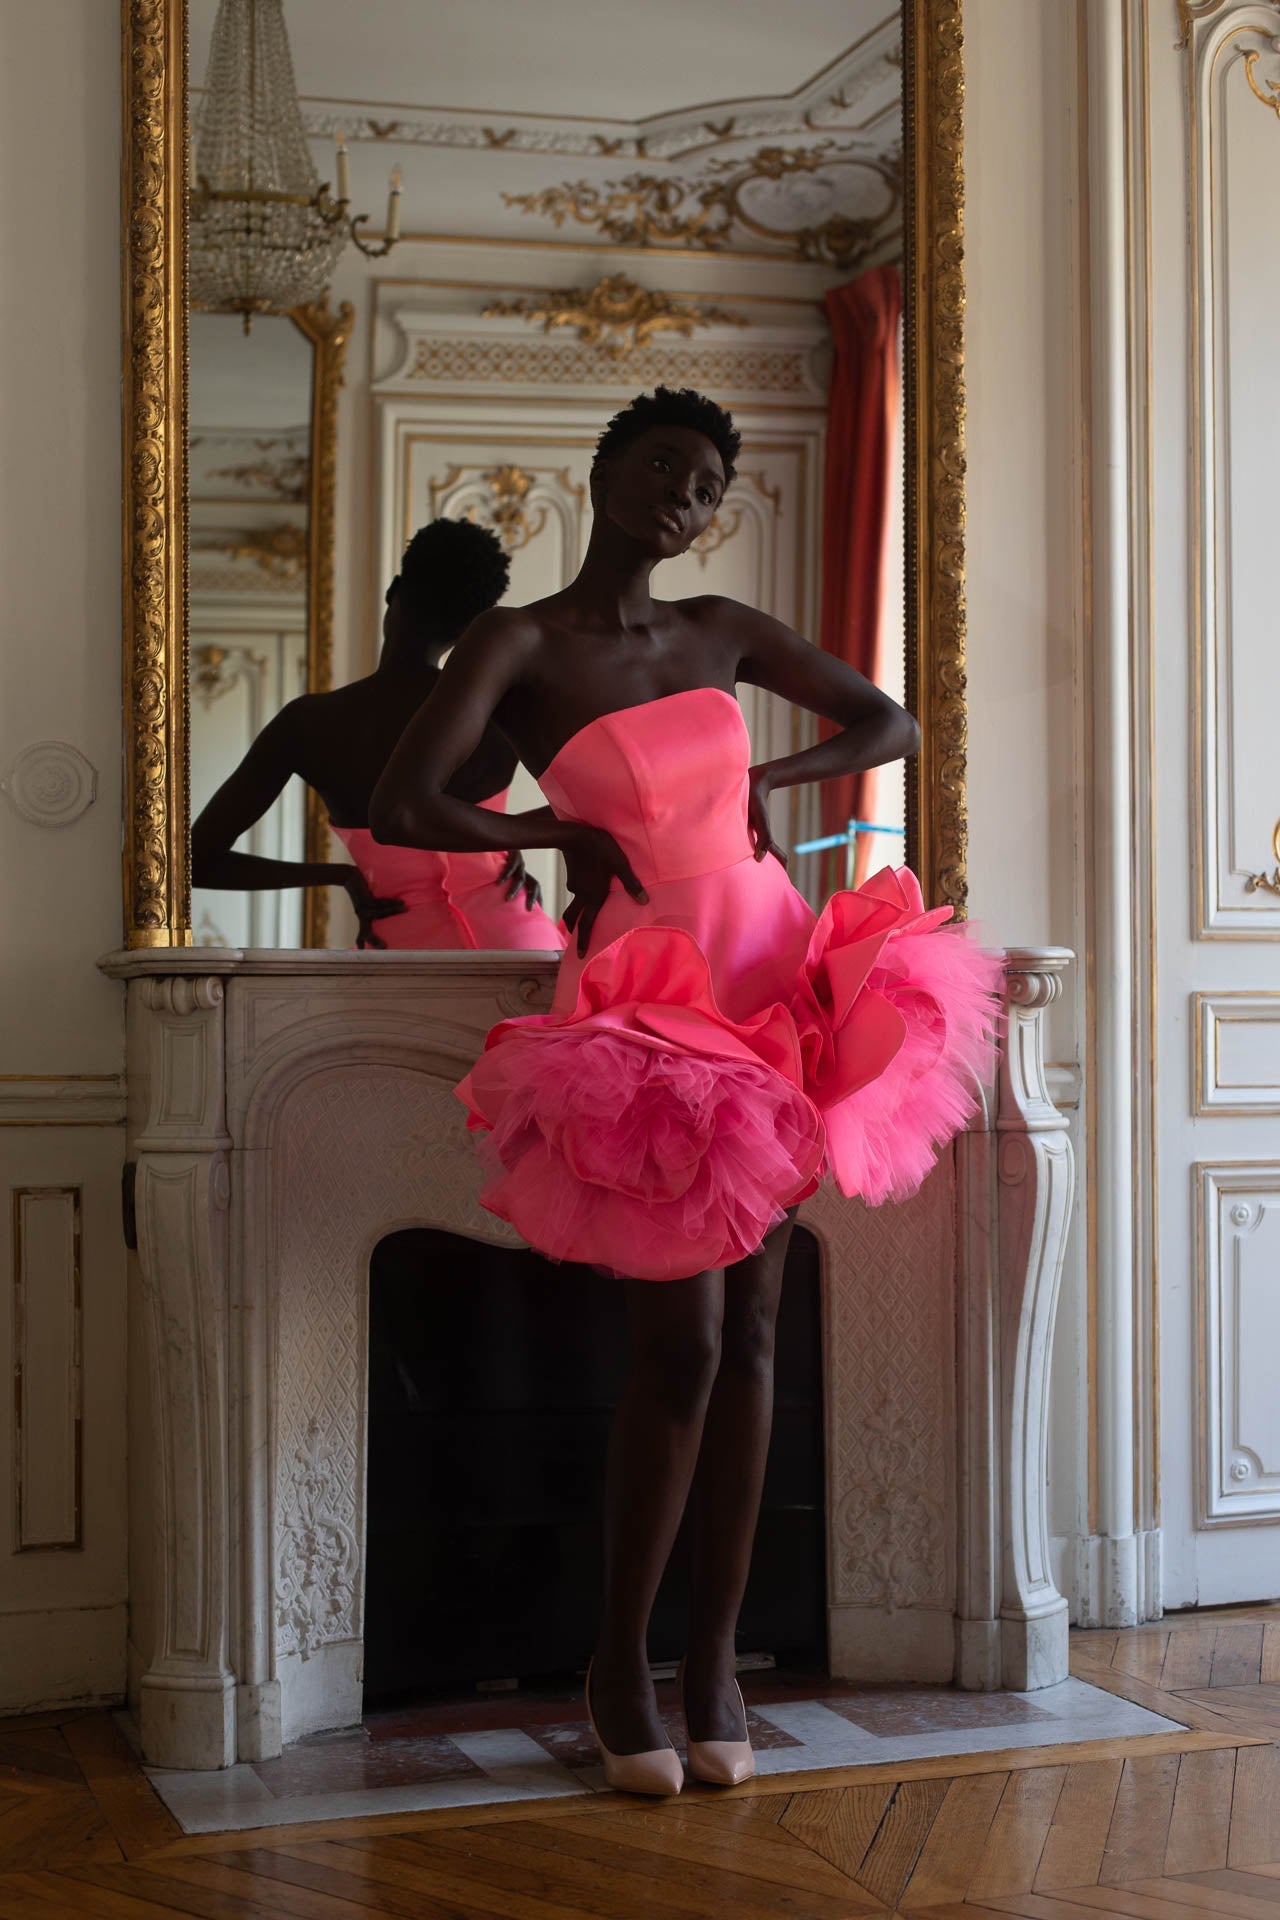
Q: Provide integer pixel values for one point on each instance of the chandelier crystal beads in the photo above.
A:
(265, 233)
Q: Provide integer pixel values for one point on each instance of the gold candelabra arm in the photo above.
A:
(1269, 882)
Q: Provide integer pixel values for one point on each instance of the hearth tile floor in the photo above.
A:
(511, 1747)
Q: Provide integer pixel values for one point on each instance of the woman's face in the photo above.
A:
(663, 488)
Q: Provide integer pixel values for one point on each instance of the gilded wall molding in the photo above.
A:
(616, 313)
(157, 894)
(328, 331)
(933, 116)
(712, 211)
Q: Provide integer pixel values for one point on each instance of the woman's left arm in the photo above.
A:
(873, 728)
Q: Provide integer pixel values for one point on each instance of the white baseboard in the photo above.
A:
(75, 1657)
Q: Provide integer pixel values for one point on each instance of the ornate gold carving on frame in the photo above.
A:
(706, 211)
(615, 314)
(328, 332)
(933, 117)
(157, 897)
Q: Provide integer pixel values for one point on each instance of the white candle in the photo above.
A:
(393, 206)
(344, 175)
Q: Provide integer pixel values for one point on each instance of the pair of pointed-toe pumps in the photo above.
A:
(719, 1763)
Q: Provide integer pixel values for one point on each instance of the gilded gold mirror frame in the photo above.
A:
(157, 888)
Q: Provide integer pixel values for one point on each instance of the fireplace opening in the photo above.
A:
(492, 1378)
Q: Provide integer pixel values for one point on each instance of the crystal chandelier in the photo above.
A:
(265, 233)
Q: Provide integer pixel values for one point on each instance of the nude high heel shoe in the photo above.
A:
(657, 1771)
(718, 1763)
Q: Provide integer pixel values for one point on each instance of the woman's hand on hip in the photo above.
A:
(369, 908)
(758, 823)
(593, 861)
(516, 880)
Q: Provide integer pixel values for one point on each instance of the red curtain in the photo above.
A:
(862, 419)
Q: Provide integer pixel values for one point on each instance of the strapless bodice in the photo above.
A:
(668, 779)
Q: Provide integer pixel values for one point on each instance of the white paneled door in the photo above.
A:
(1216, 184)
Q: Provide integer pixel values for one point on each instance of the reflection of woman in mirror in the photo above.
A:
(713, 1047)
(339, 742)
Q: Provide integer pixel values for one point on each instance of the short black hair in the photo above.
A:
(672, 407)
(452, 570)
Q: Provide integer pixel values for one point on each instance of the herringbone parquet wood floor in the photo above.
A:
(1168, 1827)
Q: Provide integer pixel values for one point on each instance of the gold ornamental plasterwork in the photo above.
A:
(279, 552)
(723, 527)
(1191, 11)
(933, 96)
(510, 516)
(1271, 96)
(615, 314)
(708, 211)
(287, 477)
(157, 894)
(508, 511)
(329, 331)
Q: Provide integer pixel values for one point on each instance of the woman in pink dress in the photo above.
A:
(713, 1048)
(339, 742)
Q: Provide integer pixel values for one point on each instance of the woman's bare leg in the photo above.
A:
(728, 1485)
(674, 1335)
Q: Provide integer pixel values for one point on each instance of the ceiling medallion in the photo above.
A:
(787, 196)
(615, 314)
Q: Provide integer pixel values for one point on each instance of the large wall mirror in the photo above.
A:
(559, 210)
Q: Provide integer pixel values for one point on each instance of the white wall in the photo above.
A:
(61, 1023)
(1025, 571)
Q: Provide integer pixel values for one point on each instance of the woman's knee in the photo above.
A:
(679, 1372)
(747, 1340)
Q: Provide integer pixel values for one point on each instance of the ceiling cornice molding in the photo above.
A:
(843, 97)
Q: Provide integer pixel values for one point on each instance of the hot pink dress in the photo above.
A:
(721, 1046)
(453, 899)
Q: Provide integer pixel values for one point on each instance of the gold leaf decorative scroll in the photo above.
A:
(1269, 882)
(1189, 11)
(509, 515)
(718, 534)
(285, 478)
(710, 212)
(214, 669)
(615, 314)
(280, 552)
(1271, 98)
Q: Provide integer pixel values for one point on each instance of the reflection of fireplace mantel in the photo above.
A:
(286, 1110)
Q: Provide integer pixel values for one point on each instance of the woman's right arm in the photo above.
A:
(410, 806)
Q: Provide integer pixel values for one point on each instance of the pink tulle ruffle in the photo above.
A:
(644, 1133)
(897, 1016)
(647, 1134)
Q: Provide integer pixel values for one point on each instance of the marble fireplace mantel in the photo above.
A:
(288, 1109)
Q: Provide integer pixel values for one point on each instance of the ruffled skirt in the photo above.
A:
(644, 1132)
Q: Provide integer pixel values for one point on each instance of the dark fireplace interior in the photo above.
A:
(493, 1374)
